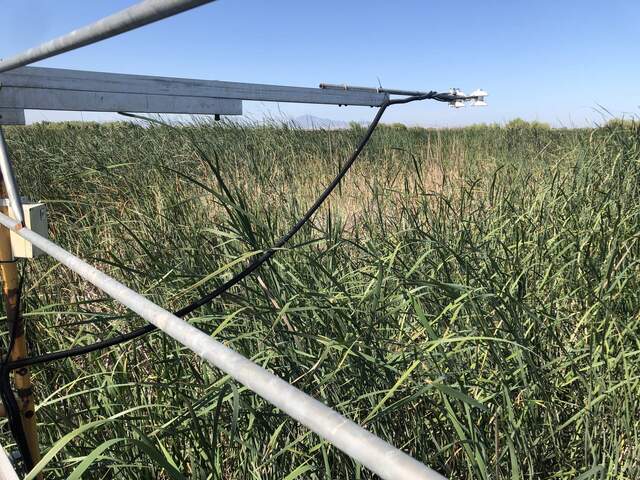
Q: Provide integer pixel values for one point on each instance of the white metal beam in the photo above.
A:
(31, 85)
(79, 100)
(9, 179)
(361, 445)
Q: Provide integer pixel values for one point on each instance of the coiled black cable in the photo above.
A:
(249, 269)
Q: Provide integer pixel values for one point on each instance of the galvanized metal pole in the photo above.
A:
(6, 170)
(143, 13)
(364, 447)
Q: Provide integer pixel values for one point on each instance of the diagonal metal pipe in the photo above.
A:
(138, 15)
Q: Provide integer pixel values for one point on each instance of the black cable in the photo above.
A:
(12, 409)
(253, 266)
(76, 351)
(258, 262)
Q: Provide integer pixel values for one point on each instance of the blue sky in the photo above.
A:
(553, 61)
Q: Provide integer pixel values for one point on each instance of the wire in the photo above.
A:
(6, 393)
(249, 269)
(83, 350)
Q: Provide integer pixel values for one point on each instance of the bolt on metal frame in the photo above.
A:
(40, 88)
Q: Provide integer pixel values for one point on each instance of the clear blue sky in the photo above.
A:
(554, 61)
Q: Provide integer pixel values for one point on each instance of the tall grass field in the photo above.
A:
(470, 295)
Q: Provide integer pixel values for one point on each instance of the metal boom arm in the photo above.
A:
(76, 90)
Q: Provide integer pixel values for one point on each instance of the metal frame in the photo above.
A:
(56, 80)
(60, 89)
(46, 88)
